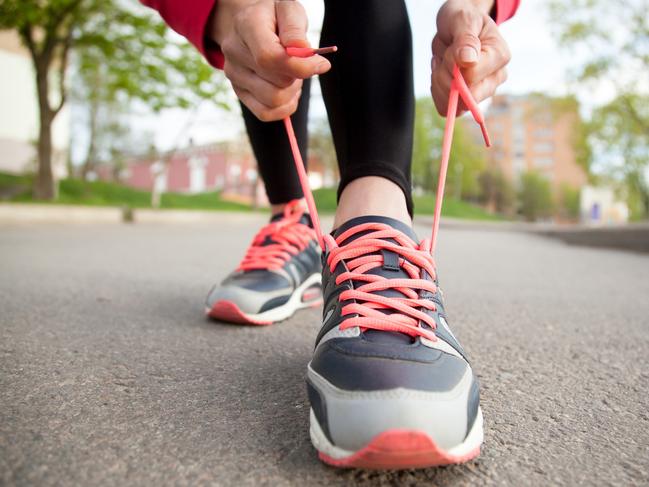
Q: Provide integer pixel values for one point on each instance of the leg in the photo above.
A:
(273, 153)
(389, 384)
(369, 96)
(280, 272)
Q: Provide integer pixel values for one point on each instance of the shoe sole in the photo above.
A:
(305, 296)
(397, 449)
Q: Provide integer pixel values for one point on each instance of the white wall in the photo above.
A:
(19, 116)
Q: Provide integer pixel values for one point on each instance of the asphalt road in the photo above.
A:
(110, 374)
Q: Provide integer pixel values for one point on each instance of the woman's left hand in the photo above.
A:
(466, 35)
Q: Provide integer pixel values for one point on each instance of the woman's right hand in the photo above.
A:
(253, 35)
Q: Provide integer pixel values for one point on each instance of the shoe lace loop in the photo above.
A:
(278, 241)
(369, 310)
(372, 310)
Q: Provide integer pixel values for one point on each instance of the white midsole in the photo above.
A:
(322, 444)
(292, 305)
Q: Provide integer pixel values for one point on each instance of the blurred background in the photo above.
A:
(110, 374)
(103, 105)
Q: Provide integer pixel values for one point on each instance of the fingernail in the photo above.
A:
(322, 67)
(468, 55)
(435, 63)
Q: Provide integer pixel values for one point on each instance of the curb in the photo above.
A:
(22, 213)
(633, 237)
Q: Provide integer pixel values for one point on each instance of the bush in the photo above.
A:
(496, 192)
(535, 197)
(569, 202)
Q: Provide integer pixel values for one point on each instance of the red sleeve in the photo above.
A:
(504, 10)
(189, 18)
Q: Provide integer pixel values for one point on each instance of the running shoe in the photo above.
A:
(389, 384)
(279, 274)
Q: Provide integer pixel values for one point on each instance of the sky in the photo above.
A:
(537, 65)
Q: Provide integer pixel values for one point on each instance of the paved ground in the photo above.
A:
(110, 375)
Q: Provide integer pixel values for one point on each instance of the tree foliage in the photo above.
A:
(496, 192)
(123, 53)
(467, 156)
(535, 196)
(568, 202)
(613, 40)
(321, 145)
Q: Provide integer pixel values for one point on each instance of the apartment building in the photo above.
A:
(534, 132)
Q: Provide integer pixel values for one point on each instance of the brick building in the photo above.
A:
(227, 167)
(535, 133)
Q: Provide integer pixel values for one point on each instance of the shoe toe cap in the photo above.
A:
(358, 392)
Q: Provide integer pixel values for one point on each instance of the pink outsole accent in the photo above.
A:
(230, 312)
(399, 449)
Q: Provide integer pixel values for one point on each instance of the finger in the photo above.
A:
(438, 48)
(271, 63)
(267, 93)
(494, 57)
(292, 23)
(263, 112)
(487, 87)
(238, 55)
(269, 55)
(464, 31)
(440, 88)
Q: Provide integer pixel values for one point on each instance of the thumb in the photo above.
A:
(292, 23)
(465, 33)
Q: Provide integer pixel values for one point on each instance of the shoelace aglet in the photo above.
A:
(310, 51)
(469, 101)
(485, 134)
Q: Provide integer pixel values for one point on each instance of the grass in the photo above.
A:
(424, 205)
(101, 193)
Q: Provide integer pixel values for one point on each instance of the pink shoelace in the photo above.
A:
(374, 311)
(278, 241)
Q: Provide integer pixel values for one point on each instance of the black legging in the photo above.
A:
(369, 97)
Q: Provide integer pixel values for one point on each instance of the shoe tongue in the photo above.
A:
(396, 224)
(305, 219)
(390, 269)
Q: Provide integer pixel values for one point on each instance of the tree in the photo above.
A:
(612, 38)
(321, 145)
(467, 156)
(123, 53)
(568, 202)
(535, 196)
(496, 192)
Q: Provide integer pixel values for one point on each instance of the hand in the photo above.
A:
(253, 35)
(466, 35)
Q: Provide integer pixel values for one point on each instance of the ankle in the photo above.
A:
(372, 195)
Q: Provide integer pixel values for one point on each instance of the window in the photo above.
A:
(543, 133)
(543, 162)
(544, 147)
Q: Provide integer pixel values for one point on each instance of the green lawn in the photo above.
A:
(424, 205)
(100, 193)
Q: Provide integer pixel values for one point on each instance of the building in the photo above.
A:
(227, 167)
(538, 133)
(599, 206)
(19, 113)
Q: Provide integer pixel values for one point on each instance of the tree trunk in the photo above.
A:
(89, 163)
(44, 186)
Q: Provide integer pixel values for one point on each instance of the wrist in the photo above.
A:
(484, 6)
(222, 19)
